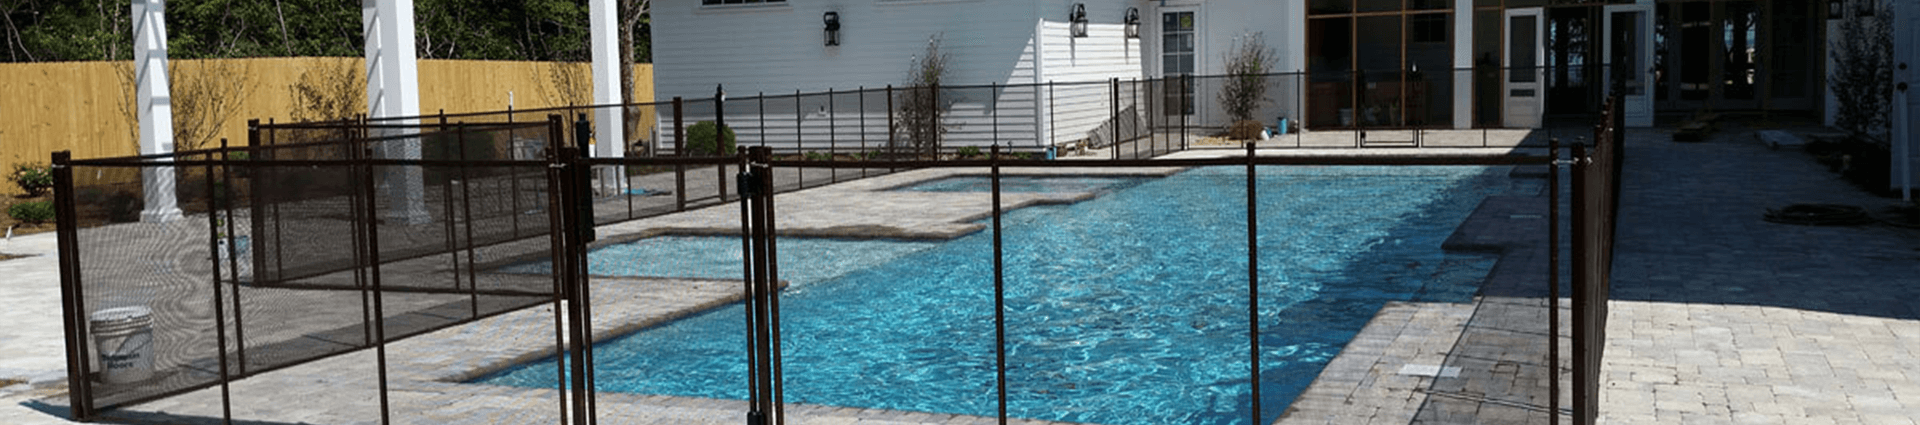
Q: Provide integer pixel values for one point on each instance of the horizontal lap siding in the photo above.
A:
(1082, 70)
(780, 49)
(837, 126)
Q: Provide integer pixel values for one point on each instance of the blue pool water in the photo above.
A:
(1043, 184)
(1129, 308)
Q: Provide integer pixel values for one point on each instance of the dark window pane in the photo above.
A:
(1696, 41)
(1381, 72)
(1429, 91)
(1486, 67)
(1378, 5)
(1523, 44)
(1737, 30)
(1330, 62)
(1330, 6)
(1791, 52)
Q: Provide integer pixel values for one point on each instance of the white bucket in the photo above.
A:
(123, 337)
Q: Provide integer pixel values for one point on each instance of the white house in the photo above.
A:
(1354, 63)
(780, 47)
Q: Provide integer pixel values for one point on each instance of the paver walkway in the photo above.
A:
(1720, 317)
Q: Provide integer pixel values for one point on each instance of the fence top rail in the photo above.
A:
(532, 110)
(151, 159)
(269, 163)
(357, 124)
(1408, 160)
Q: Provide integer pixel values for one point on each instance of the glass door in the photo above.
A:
(1523, 71)
(1629, 58)
(1177, 59)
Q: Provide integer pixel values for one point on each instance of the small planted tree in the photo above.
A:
(1245, 89)
(918, 107)
(1863, 72)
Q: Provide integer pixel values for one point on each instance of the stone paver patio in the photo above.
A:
(1718, 317)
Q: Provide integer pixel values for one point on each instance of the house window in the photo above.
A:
(714, 2)
(1176, 58)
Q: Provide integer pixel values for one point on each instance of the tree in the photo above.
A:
(330, 91)
(528, 30)
(1245, 89)
(1863, 72)
(633, 15)
(919, 107)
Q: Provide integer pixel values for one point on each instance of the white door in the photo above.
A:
(1629, 53)
(1525, 78)
(1179, 56)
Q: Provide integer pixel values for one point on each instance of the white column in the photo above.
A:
(1463, 89)
(609, 122)
(156, 107)
(393, 90)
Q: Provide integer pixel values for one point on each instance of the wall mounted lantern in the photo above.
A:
(1836, 9)
(1078, 20)
(1133, 22)
(833, 28)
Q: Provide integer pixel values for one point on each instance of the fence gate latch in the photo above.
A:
(749, 183)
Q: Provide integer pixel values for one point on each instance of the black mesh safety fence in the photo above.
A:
(448, 268)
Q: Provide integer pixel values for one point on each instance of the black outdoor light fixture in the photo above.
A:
(1867, 8)
(1133, 22)
(1078, 20)
(1836, 9)
(833, 27)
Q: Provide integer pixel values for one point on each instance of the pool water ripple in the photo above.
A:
(1129, 308)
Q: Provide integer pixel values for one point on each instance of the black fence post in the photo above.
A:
(833, 173)
(466, 212)
(1253, 281)
(1113, 106)
(720, 131)
(556, 231)
(862, 154)
(373, 275)
(1553, 280)
(892, 142)
(1186, 88)
(1584, 401)
(72, 294)
(799, 135)
(999, 293)
(768, 218)
(256, 201)
(233, 253)
(680, 150)
(214, 240)
(937, 124)
(748, 266)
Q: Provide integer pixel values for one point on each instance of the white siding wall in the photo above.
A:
(1218, 23)
(1081, 70)
(779, 48)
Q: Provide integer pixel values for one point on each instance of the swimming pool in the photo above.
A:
(1043, 184)
(1125, 309)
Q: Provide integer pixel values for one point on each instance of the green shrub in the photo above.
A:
(816, 156)
(32, 212)
(969, 151)
(700, 139)
(35, 179)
